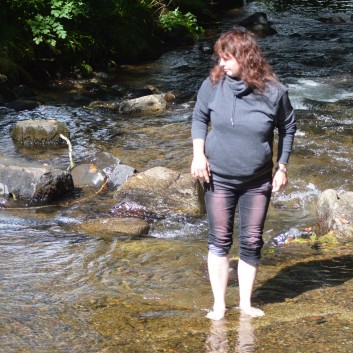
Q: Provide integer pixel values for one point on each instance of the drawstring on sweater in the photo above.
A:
(233, 112)
(239, 89)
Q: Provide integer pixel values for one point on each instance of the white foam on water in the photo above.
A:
(317, 91)
(303, 194)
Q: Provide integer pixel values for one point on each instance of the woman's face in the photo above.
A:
(230, 66)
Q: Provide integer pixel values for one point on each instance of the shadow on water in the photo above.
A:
(302, 277)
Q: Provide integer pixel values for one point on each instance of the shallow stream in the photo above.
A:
(64, 291)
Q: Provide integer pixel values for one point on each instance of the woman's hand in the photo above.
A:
(200, 168)
(279, 179)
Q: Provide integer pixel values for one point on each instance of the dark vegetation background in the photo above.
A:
(51, 38)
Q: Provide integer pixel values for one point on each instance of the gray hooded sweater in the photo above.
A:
(239, 147)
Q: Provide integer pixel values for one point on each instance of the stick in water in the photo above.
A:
(72, 164)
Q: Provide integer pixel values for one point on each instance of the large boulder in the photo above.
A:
(33, 184)
(150, 104)
(163, 191)
(33, 133)
(335, 213)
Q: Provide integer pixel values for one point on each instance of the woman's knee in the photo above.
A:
(250, 249)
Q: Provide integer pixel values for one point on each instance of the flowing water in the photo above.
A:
(64, 291)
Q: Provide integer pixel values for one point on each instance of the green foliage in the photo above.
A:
(49, 28)
(172, 19)
(51, 36)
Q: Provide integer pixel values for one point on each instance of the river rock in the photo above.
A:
(150, 104)
(88, 175)
(258, 24)
(112, 105)
(22, 104)
(32, 183)
(108, 228)
(335, 212)
(105, 161)
(32, 133)
(332, 20)
(134, 210)
(121, 174)
(163, 191)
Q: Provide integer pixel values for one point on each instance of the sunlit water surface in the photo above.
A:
(62, 291)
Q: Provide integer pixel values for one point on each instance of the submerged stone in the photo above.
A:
(108, 228)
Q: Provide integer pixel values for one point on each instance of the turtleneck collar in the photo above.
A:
(238, 87)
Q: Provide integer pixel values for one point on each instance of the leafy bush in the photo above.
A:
(47, 37)
(172, 19)
(49, 29)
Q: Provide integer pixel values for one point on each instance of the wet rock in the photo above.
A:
(335, 213)
(132, 209)
(22, 104)
(108, 228)
(169, 96)
(163, 191)
(290, 234)
(112, 105)
(32, 183)
(258, 24)
(150, 104)
(32, 133)
(88, 175)
(121, 174)
(332, 20)
(206, 47)
(105, 161)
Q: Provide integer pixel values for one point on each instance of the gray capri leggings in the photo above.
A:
(221, 201)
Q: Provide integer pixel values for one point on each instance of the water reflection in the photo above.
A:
(246, 336)
(220, 339)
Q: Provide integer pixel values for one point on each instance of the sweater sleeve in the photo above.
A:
(287, 126)
(201, 113)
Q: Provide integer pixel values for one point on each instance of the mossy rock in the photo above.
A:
(39, 133)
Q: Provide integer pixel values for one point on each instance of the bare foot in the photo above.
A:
(216, 314)
(253, 312)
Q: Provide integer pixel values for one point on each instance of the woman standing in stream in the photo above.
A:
(243, 103)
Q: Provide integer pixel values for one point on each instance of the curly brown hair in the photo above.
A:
(242, 45)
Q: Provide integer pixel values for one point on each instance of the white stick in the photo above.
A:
(72, 164)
